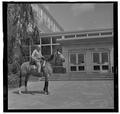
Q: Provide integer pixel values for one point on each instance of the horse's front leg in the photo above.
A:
(26, 81)
(46, 85)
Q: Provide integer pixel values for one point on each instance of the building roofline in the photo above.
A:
(48, 13)
(72, 32)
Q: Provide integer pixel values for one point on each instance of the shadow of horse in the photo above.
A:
(30, 92)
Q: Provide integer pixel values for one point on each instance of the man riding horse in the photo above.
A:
(26, 68)
(38, 59)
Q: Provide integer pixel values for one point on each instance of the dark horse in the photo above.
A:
(27, 69)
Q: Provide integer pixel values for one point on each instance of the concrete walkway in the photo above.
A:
(64, 95)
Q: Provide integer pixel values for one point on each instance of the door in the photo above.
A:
(101, 61)
(77, 62)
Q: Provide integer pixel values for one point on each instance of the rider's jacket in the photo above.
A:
(36, 55)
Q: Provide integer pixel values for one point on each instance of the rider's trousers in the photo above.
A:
(39, 67)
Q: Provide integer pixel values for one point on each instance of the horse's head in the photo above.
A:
(55, 56)
(60, 56)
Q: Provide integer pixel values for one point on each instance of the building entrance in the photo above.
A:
(77, 62)
(100, 61)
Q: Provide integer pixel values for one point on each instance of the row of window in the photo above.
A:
(49, 40)
(95, 68)
(46, 40)
(46, 20)
(100, 61)
(46, 50)
(86, 34)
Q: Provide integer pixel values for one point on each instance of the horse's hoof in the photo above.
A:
(46, 93)
(19, 92)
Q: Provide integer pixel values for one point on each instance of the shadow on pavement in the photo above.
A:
(30, 92)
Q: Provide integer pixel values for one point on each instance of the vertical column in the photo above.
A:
(41, 45)
(111, 59)
(29, 49)
(40, 41)
(88, 61)
(51, 45)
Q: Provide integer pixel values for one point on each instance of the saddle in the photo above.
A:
(32, 62)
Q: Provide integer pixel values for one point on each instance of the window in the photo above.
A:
(40, 13)
(44, 18)
(73, 68)
(105, 67)
(69, 36)
(93, 34)
(45, 40)
(106, 33)
(36, 41)
(46, 50)
(51, 25)
(54, 38)
(96, 67)
(96, 58)
(81, 35)
(73, 59)
(104, 58)
(80, 58)
(55, 47)
(81, 68)
(48, 22)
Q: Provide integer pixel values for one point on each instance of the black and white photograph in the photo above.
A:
(60, 56)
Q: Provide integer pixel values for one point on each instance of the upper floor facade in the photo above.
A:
(44, 20)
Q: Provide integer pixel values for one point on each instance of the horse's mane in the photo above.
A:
(50, 58)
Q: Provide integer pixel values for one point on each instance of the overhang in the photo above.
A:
(92, 40)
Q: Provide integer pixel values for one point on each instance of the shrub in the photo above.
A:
(59, 69)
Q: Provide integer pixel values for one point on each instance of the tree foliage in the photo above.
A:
(21, 25)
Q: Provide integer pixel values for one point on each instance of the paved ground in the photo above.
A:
(64, 95)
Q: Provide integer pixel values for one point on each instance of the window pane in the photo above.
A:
(45, 40)
(73, 59)
(46, 50)
(96, 58)
(105, 67)
(80, 58)
(55, 38)
(36, 41)
(81, 68)
(73, 68)
(69, 36)
(55, 47)
(96, 67)
(104, 58)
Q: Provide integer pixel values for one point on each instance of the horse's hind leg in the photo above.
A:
(20, 83)
(46, 86)
(26, 80)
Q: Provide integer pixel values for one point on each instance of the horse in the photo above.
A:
(27, 69)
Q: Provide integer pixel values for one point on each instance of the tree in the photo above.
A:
(20, 24)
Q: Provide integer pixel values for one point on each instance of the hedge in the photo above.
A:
(59, 69)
